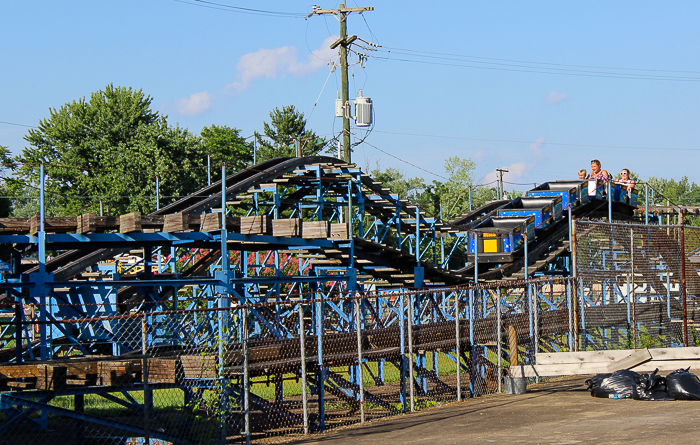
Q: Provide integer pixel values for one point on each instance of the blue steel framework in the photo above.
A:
(315, 192)
(407, 348)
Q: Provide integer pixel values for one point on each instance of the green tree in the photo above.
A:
(285, 127)
(225, 144)
(110, 148)
(406, 188)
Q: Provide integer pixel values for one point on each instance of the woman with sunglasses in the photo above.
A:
(625, 180)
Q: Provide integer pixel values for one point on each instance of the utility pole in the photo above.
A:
(344, 42)
(500, 181)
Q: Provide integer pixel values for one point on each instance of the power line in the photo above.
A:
(539, 70)
(19, 125)
(541, 63)
(405, 162)
(564, 144)
(241, 10)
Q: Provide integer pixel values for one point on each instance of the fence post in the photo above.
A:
(472, 349)
(361, 384)
(646, 203)
(458, 349)
(246, 375)
(536, 317)
(571, 313)
(610, 202)
(410, 350)
(499, 338)
(144, 376)
(574, 274)
(632, 294)
(683, 283)
(321, 375)
(302, 349)
(402, 323)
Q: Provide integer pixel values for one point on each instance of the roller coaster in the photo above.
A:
(308, 230)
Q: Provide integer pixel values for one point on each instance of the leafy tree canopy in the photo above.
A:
(225, 144)
(285, 127)
(110, 148)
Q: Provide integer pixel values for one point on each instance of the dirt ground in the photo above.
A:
(557, 412)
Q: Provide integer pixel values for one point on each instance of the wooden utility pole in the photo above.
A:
(344, 42)
(500, 181)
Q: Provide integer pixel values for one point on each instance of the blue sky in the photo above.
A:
(479, 85)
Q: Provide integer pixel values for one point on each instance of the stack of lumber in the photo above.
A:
(286, 227)
(595, 362)
(315, 229)
(255, 225)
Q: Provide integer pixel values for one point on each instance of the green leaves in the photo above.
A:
(110, 149)
(285, 127)
(225, 144)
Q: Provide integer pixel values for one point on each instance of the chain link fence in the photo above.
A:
(638, 285)
(226, 373)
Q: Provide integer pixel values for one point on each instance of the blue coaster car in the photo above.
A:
(499, 238)
(596, 189)
(621, 194)
(570, 192)
(545, 209)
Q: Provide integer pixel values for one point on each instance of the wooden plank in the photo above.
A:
(131, 222)
(315, 229)
(210, 222)
(34, 224)
(636, 358)
(86, 223)
(613, 355)
(255, 225)
(176, 222)
(599, 368)
(557, 358)
(14, 225)
(19, 371)
(675, 353)
(340, 231)
(286, 227)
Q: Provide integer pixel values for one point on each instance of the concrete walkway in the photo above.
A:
(557, 412)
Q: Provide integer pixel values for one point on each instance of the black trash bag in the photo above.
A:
(622, 384)
(653, 387)
(682, 385)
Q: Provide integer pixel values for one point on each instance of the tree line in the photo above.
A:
(109, 148)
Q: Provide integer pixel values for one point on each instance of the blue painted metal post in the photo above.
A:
(610, 201)
(472, 350)
(526, 257)
(417, 236)
(44, 300)
(410, 352)
(476, 257)
(402, 330)
(458, 348)
(157, 193)
(223, 300)
(208, 169)
(646, 203)
(499, 340)
(321, 377)
(442, 243)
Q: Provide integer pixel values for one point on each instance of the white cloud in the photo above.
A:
(271, 63)
(478, 155)
(555, 97)
(536, 147)
(195, 104)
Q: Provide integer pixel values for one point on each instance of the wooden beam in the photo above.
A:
(636, 358)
